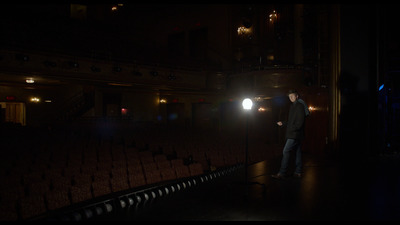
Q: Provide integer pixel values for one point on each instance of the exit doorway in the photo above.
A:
(13, 112)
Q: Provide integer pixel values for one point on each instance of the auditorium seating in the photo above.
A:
(164, 164)
(153, 176)
(196, 169)
(57, 199)
(119, 183)
(32, 205)
(68, 167)
(80, 192)
(168, 174)
(38, 187)
(8, 211)
(182, 171)
(136, 179)
(101, 187)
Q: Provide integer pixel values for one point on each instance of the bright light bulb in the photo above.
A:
(35, 99)
(29, 81)
(247, 104)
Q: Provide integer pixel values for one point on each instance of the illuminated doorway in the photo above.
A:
(13, 112)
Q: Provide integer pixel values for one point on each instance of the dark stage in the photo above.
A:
(330, 190)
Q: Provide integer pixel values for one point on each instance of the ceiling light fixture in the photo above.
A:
(29, 81)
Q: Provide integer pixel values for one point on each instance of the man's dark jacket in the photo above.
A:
(296, 121)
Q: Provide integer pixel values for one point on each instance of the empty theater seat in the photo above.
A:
(136, 179)
(160, 157)
(8, 211)
(149, 166)
(38, 188)
(119, 180)
(176, 162)
(152, 176)
(182, 171)
(32, 206)
(164, 165)
(57, 199)
(168, 174)
(80, 193)
(196, 169)
(101, 187)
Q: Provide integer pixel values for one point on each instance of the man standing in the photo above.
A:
(294, 134)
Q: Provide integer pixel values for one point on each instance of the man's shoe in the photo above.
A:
(277, 176)
(297, 175)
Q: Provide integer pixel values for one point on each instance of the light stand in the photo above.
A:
(247, 105)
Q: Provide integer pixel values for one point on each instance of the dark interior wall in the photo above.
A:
(388, 76)
(357, 78)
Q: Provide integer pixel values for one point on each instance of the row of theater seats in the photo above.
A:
(49, 172)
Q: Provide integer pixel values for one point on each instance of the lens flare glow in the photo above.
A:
(247, 104)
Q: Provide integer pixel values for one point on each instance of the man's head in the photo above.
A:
(293, 95)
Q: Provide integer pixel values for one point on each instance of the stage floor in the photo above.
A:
(331, 189)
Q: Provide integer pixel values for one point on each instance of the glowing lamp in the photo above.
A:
(35, 99)
(247, 104)
(30, 81)
(262, 109)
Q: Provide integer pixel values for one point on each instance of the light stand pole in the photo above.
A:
(247, 105)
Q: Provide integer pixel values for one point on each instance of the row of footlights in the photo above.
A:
(129, 204)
